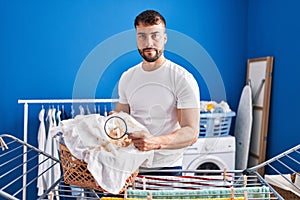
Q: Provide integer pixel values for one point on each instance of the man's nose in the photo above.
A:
(149, 41)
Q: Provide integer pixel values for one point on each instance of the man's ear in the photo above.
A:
(165, 38)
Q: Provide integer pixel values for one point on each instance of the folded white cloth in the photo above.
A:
(109, 163)
(284, 181)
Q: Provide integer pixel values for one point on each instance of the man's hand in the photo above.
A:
(144, 141)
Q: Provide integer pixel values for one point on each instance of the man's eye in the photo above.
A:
(142, 36)
(156, 36)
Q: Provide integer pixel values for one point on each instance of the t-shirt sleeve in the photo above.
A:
(188, 94)
(121, 91)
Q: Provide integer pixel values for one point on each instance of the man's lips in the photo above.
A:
(148, 50)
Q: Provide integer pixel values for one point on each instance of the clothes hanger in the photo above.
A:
(95, 109)
(81, 110)
(87, 110)
(72, 112)
(99, 109)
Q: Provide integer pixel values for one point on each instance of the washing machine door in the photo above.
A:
(206, 162)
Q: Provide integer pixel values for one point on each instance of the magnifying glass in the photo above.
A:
(115, 127)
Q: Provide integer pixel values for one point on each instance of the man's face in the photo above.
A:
(151, 41)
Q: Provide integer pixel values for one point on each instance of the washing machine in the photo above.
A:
(211, 153)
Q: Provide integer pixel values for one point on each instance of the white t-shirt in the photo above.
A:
(154, 97)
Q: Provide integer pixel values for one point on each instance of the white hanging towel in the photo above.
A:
(41, 184)
(243, 126)
(57, 118)
(54, 173)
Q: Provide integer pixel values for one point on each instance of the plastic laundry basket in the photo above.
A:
(215, 124)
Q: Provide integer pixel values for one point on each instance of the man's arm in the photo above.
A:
(183, 137)
(122, 107)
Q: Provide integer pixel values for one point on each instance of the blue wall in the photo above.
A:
(45, 43)
(274, 29)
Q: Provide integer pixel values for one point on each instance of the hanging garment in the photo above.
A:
(63, 114)
(87, 110)
(47, 176)
(57, 116)
(81, 110)
(41, 184)
(95, 109)
(72, 113)
(54, 173)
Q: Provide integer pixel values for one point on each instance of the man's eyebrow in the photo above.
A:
(150, 33)
(155, 32)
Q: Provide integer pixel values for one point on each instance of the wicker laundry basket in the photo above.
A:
(76, 173)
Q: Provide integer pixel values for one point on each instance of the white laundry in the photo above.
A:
(54, 173)
(109, 163)
(81, 110)
(57, 118)
(284, 181)
(41, 185)
(213, 106)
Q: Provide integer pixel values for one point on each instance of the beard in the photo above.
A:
(150, 58)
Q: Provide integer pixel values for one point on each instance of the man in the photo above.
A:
(161, 95)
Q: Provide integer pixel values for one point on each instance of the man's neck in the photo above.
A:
(151, 66)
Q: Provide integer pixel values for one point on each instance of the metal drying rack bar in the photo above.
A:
(11, 174)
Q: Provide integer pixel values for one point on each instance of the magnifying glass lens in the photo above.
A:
(115, 127)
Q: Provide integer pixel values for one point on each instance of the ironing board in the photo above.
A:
(243, 126)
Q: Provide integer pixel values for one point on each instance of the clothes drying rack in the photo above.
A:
(204, 184)
(26, 103)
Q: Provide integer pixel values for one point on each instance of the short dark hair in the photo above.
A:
(149, 17)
